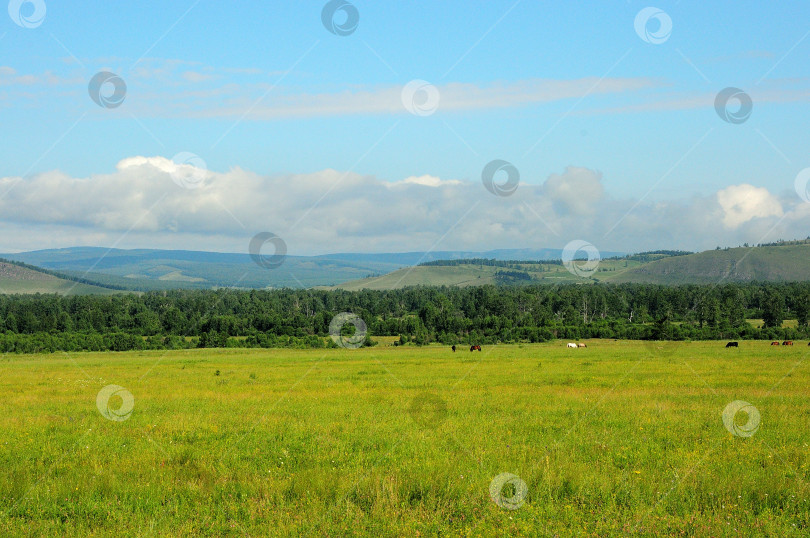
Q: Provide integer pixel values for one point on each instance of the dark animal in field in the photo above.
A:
(454, 349)
(774, 343)
(787, 343)
(475, 348)
(733, 344)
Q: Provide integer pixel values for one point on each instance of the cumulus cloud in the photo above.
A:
(742, 203)
(141, 204)
(429, 181)
(577, 190)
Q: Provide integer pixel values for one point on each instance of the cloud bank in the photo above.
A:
(155, 202)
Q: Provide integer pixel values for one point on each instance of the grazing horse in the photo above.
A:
(733, 344)
(774, 343)
(475, 348)
(573, 345)
(453, 348)
(581, 345)
(787, 343)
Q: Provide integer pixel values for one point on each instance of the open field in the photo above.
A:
(618, 438)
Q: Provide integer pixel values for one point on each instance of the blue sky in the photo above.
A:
(264, 88)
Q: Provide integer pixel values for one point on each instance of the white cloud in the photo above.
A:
(140, 205)
(576, 190)
(454, 96)
(428, 181)
(742, 203)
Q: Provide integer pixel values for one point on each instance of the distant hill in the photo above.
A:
(501, 273)
(18, 279)
(145, 269)
(783, 263)
(786, 262)
(151, 269)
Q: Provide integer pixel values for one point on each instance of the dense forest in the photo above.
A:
(486, 314)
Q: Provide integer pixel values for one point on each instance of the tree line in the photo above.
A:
(419, 315)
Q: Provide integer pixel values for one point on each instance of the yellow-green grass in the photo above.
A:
(790, 323)
(617, 438)
(54, 285)
(17, 279)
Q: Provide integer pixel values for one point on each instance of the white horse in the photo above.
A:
(571, 344)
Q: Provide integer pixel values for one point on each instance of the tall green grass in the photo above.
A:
(386, 441)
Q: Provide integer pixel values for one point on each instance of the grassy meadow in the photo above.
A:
(617, 438)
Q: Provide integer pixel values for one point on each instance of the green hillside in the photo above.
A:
(17, 279)
(475, 275)
(783, 263)
(790, 263)
(464, 275)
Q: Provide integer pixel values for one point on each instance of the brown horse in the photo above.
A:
(774, 343)
(787, 343)
(475, 348)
